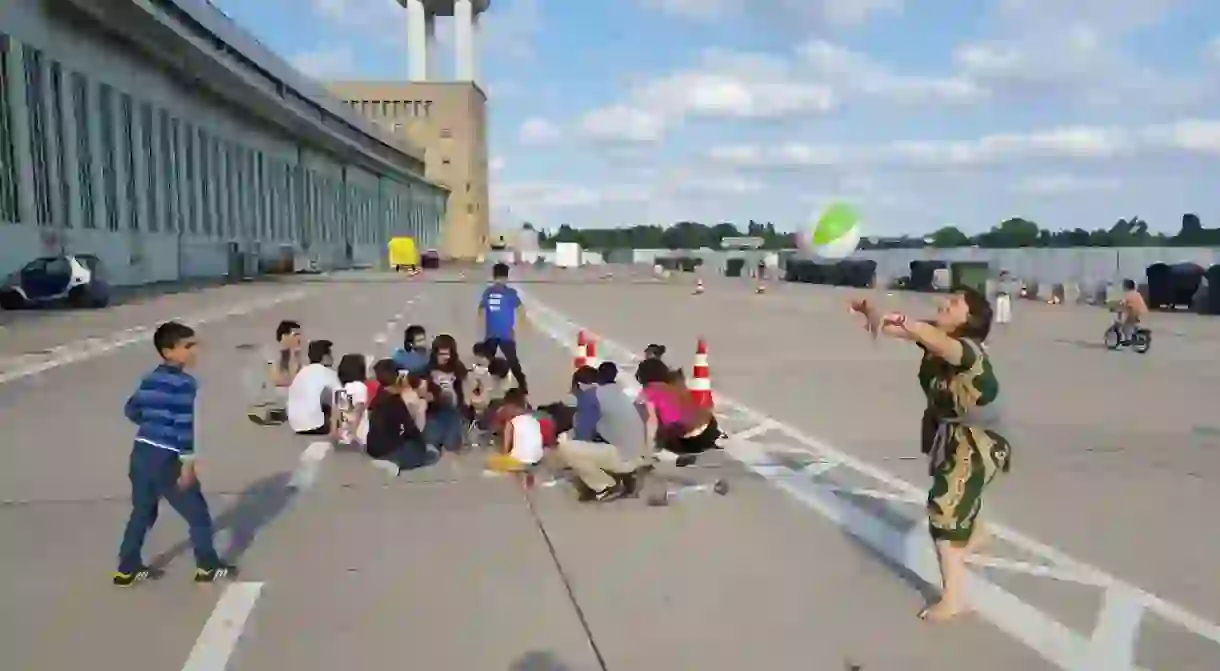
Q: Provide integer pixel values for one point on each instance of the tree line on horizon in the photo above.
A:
(1010, 233)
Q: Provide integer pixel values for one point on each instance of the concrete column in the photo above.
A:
(463, 40)
(20, 134)
(430, 68)
(55, 165)
(71, 155)
(417, 41)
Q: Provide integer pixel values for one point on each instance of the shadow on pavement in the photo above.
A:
(1082, 344)
(258, 505)
(873, 507)
(539, 661)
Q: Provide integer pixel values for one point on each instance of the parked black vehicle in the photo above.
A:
(76, 279)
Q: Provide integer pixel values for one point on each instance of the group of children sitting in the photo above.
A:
(609, 436)
(405, 411)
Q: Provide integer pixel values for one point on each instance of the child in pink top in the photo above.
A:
(675, 423)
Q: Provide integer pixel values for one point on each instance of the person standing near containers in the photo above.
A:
(1006, 288)
(499, 308)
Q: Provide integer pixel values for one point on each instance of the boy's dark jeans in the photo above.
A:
(154, 476)
(508, 348)
(413, 454)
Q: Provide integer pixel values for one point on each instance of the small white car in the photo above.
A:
(77, 279)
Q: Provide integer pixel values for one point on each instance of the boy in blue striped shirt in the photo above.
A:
(163, 460)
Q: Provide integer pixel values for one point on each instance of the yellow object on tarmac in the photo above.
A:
(403, 253)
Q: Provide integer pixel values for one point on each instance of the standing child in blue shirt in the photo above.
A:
(163, 460)
(498, 310)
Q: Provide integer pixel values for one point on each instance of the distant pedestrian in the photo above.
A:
(499, 308)
(162, 461)
(1006, 289)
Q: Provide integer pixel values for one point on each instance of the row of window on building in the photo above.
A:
(392, 109)
(107, 160)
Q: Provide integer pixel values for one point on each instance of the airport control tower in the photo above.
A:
(446, 115)
(421, 36)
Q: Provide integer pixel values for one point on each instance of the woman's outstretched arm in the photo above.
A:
(940, 344)
(875, 322)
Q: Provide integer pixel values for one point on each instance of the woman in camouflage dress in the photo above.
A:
(961, 431)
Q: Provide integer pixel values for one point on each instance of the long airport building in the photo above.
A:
(162, 138)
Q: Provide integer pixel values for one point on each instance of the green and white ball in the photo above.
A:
(836, 235)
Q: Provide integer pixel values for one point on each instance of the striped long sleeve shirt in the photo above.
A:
(163, 409)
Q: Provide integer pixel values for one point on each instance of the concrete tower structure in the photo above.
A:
(421, 36)
(447, 116)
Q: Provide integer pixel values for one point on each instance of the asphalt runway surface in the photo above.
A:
(816, 559)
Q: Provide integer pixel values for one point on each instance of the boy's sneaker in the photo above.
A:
(267, 417)
(388, 467)
(610, 493)
(219, 572)
(139, 575)
(584, 494)
(685, 460)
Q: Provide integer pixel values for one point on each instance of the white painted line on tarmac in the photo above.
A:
(876, 494)
(310, 465)
(1120, 617)
(819, 468)
(1062, 646)
(223, 630)
(754, 432)
(1030, 568)
(90, 348)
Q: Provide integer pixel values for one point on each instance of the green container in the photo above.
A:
(973, 274)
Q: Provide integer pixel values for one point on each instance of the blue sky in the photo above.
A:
(918, 112)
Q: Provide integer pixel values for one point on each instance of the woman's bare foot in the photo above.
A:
(941, 611)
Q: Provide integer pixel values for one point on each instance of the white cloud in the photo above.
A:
(652, 189)
(1056, 184)
(540, 199)
(1200, 137)
(723, 86)
(813, 80)
(848, 70)
(537, 130)
(831, 13)
(624, 123)
(1072, 50)
(496, 164)
(334, 62)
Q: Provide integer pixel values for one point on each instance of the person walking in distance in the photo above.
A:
(162, 463)
(499, 309)
(962, 431)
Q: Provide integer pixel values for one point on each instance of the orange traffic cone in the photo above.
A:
(582, 351)
(698, 287)
(701, 381)
(591, 353)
